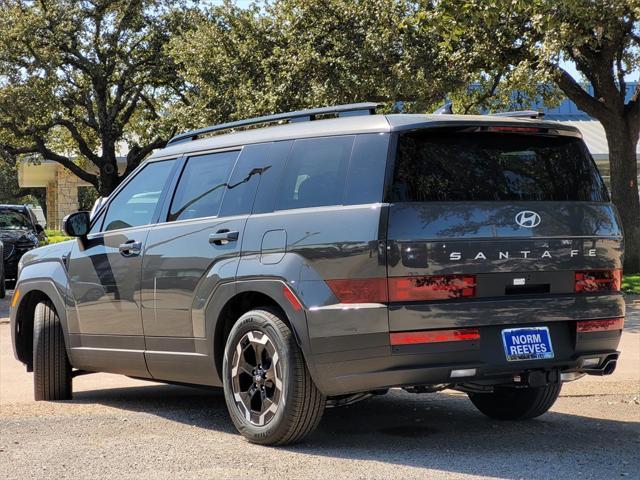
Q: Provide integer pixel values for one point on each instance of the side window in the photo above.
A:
(202, 185)
(270, 179)
(365, 180)
(315, 173)
(135, 204)
(247, 174)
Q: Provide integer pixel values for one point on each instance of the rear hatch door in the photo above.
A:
(507, 212)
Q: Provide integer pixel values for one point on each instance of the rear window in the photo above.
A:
(494, 167)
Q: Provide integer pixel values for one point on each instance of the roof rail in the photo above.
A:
(520, 113)
(364, 108)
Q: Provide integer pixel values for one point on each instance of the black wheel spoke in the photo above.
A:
(256, 378)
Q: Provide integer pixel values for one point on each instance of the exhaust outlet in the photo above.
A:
(607, 368)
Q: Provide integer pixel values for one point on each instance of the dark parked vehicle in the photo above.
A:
(19, 232)
(3, 286)
(323, 261)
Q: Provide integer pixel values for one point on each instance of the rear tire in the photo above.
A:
(51, 367)
(3, 285)
(516, 403)
(270, 395)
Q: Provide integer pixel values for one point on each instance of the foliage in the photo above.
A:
(87, 197)
(10, 192)
(631, 284)
(520, 43)
(55, 236)
(78, 78)
(293, 54)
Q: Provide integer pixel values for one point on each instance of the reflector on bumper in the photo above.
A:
(434, 336)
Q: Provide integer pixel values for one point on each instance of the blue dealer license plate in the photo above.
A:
(531, 343)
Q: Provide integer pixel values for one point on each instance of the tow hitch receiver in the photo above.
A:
(537, 378)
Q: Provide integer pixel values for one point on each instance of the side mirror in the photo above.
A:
(39, 229)
(76, 224)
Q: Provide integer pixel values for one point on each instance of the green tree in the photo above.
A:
(81, 78)
(10, 191)
(524, 42)
(292, 54)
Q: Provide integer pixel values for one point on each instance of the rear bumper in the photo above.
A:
(366, 361)
(348, 381)
(415, 370)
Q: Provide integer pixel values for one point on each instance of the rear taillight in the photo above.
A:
(598, 281)
(434, 336)
(431, 287)
(403, 289)
(600, 325)
(360, 290)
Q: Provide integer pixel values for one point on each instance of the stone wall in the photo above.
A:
(62, 197)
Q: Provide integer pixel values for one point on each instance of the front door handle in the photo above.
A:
(222, 237)
(130, 248)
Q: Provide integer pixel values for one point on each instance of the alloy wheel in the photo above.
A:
(256, 378)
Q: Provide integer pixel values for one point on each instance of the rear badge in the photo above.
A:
(529, 343)
(519, 281)
(528, 219)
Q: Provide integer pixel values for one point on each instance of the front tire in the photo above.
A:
(51, 367)
(507, 403)
(270, 395)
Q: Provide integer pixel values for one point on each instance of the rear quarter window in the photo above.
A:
(315, 173)
(451, 166)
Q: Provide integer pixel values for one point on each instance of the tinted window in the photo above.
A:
(270, 179)
(315, 173)
(13, 220)
(202, 185)
(250, 167)
(135, 204)
(365, 180)
(494, 166)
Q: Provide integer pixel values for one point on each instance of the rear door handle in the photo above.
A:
(222, 237)
(130, 248)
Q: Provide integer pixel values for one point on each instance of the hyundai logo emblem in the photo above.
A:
(528, 219)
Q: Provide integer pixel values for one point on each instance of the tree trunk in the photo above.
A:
(108, 179)
(622, 139)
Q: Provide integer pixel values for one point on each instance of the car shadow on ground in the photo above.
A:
(437, 431)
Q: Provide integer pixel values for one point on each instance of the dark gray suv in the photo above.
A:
(332, 257)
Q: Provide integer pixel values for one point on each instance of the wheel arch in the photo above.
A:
(22, 316)
(228, 306)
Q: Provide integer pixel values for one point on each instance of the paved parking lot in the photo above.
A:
(122, 428)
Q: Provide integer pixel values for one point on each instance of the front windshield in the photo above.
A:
(13, 220)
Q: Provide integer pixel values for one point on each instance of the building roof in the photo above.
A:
(568, 111)
(594, 136)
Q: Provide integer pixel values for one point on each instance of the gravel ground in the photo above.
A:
(122, 428)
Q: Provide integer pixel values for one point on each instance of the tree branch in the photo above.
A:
(41, 149)
(82, 144)
(580, 96)
(137, 153)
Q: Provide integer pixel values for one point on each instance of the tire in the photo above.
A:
(51, 367)
(282, 380)
(3, 285)
(516, 404)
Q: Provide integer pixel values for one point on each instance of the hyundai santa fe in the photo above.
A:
(333, 254)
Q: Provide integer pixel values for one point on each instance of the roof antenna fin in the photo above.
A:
(446, 109)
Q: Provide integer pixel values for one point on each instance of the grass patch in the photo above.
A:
(55, 236)
(631, 284)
